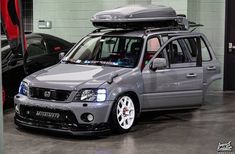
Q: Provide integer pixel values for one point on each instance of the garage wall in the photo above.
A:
(211, 13)
(179, 5)
(71, 18)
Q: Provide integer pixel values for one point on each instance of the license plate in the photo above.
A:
(50, 115)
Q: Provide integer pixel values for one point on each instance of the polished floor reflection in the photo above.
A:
(182, 132)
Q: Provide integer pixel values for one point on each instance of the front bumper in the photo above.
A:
(73, 111)
(82, 129)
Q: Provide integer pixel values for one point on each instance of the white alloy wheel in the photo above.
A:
(125, 112)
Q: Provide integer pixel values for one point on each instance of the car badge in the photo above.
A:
(47, 94)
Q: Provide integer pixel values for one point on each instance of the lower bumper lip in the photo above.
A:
(91, 129)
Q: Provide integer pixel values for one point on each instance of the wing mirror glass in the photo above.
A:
(159, 63)
(61, 55)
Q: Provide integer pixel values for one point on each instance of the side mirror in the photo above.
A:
(14, 58)
(159, 63)
(61, 55)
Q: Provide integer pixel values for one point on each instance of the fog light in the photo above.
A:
(17, 109)
(90, 117)
(87, 117)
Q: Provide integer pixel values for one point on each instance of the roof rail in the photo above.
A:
(161, 29)
(106, 29)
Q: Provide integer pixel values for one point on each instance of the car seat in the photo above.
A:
(134, 53)
(177, 57)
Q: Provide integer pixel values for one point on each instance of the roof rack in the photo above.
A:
(106, 29)
(160, 29)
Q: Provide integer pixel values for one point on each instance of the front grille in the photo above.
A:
(49, 94)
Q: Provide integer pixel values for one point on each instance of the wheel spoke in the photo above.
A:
(119, 114)
(122, 120)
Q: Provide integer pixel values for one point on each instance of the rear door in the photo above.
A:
(180, 84)
(211, 66)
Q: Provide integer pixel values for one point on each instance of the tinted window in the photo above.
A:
(36, 47)
(5, 51)
(4, 43)
(177, 53)
(55, 45)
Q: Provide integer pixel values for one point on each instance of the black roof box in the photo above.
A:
(136, 16)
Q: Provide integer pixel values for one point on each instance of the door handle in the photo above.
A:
(211, 68)
(191, 75)
(230, 47)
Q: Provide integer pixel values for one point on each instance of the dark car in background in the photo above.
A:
(43, 49)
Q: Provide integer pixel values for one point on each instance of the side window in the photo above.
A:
(54, 45)
(153, 44)
(5, 51)
(36, 47)
(205, 52)
(177, 53)
(192, 46)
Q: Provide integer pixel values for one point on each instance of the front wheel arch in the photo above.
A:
(112, 117)
(135, 98)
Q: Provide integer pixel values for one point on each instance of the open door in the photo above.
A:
(177, 84)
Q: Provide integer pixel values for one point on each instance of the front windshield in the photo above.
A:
(108, 50)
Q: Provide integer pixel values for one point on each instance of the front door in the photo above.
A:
(229, 57)
(177, 85)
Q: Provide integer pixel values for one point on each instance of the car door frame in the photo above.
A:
(150, 102)
(211, 68)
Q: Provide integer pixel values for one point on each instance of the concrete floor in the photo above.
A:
(189, 132)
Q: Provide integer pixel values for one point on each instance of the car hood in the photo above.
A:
(71, 76)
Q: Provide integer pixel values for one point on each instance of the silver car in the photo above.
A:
(108, 79)
(111, 76)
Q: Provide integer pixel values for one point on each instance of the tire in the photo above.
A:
(123, 115)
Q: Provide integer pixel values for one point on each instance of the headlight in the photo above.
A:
(24, 88)
(90, 95)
